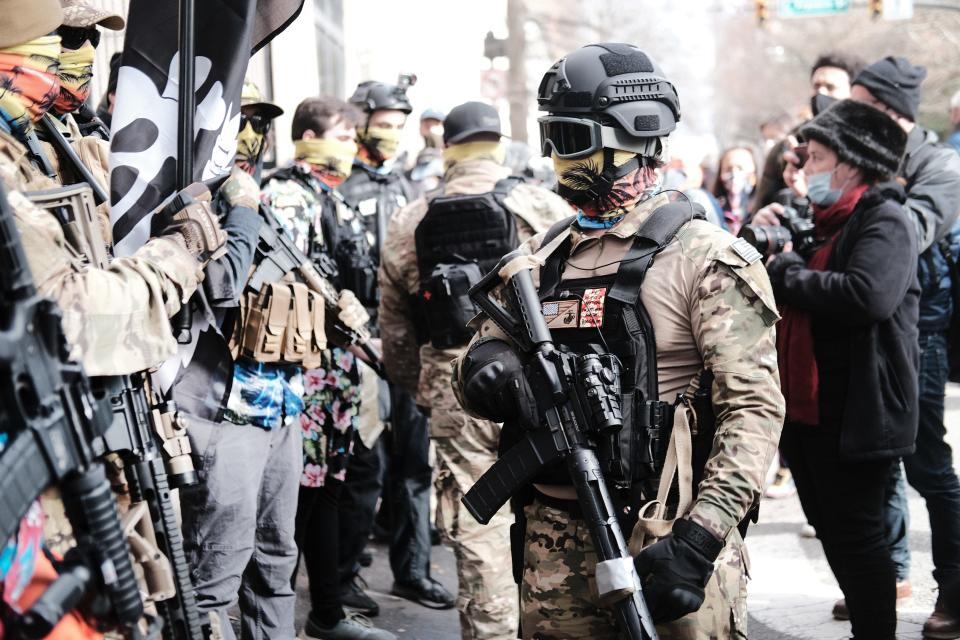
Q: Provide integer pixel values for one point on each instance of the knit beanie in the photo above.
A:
(896, 83)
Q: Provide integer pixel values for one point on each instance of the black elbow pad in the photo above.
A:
(494, 384)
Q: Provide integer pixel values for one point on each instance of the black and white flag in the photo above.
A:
(143, 148)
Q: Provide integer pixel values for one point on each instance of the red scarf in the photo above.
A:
(798, 365)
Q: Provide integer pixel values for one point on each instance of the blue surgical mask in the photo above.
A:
(819, 191)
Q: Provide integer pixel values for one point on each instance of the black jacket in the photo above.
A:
(932, 175)
(864, 309)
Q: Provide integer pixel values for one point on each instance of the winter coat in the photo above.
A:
(864, 309)
(931, 173)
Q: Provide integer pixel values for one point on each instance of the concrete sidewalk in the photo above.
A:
(791, 590)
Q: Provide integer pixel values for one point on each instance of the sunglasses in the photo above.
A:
(74, 37)
(258, 123)
(571, 138)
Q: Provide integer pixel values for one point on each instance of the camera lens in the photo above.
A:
(768, 240)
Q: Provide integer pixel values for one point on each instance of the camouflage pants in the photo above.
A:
(559, 592)
(487, 597)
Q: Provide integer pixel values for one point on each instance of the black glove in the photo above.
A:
(778, 267)
(676, 569)
(494, 385)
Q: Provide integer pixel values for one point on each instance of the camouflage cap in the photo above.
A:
(250, 96)
(83, 13)
(24, 20)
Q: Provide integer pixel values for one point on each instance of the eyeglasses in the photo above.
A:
(74, 37)
(571, 138)
(259, 123)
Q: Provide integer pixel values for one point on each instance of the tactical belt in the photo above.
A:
(571, 507)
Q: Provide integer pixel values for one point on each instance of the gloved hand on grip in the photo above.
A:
(194, 225)
(352, 312)
(675, 570)
(241, 190)
(494, 384)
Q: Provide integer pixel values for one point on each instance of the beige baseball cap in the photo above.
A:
(25, 20)
(84, 13)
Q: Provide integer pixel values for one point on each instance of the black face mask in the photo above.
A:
(820, 102)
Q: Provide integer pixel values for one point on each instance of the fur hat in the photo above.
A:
(860, 135)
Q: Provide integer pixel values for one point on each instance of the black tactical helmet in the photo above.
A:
(372, 96)
(606, 95)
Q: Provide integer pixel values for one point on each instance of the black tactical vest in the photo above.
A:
(605, 314)
(340, 238)
(376, 197)
(460, 238)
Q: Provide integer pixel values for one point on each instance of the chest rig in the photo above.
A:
(605, 314)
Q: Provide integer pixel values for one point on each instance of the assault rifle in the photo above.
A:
(279, 255)
(53, 427)
(578, 399)
(150, 524)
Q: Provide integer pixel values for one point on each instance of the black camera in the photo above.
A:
(771, 239)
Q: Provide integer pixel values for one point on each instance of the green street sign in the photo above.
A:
(808, 8)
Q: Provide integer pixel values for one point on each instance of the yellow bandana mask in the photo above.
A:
(28, 80)
(76, 71)
(381, 143)
(330, 156)
(474, 150)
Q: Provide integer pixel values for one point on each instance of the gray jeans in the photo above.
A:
(238, 525)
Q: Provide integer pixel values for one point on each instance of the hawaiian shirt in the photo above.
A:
(264, 395)
(331, 393)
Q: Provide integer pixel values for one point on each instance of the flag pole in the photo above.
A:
(182, 322)
(187, 96)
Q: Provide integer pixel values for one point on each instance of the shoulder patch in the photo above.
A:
(746, 251)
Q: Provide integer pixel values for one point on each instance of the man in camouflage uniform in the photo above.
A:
(710, 309)
(115, 319)
(465, 446)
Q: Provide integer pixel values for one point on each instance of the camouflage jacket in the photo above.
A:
(116, 319)
(424, 370)
(711, 309)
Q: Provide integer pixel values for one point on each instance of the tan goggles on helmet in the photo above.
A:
(572, 138)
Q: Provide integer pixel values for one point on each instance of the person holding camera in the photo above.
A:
(930, 173)
(848, 350)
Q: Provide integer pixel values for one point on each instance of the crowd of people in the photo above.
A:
(764, 323)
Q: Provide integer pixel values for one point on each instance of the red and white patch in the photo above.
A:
(591, 315)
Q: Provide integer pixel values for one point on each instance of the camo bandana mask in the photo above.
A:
(29, 85)
(582, 184)
(76, 72)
